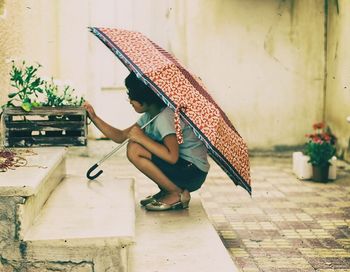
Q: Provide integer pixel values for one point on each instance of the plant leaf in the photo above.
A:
(12, 95)
(27, 106)
(36, 104)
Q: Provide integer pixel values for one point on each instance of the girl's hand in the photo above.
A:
(136, 134)
(90, 110)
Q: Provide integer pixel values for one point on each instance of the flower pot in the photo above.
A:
(44, 126)
(320, 173)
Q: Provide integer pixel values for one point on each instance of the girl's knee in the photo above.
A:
(131, 150)
(135, 151)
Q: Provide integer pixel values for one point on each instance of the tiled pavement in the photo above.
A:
(287, 224)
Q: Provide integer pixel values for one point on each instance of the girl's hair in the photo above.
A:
(139, 91)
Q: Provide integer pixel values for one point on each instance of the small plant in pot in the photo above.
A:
(60, 95)
(28, 86)
(30, 90)
(320, 147)
(37, 97)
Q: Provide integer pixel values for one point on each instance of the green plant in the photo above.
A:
(57, 96)
(32, 91)
(320, 146)
(28, 85)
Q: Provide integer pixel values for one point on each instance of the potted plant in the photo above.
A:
(27, 84)
(320, 147)
(61, 95)
(41, 112)
(32, 91)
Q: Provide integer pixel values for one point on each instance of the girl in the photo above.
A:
(176, 169)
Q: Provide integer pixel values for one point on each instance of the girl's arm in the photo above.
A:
(168, 150)
(110, 132)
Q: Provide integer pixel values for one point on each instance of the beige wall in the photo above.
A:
(338, 79)
(263, 61)
(2, 7)
(27, 32)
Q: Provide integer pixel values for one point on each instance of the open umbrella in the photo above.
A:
(186, 95)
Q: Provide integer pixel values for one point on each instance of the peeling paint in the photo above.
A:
(23, 249)
(17, 224)
(2, 7)
(40, 266)
(337, 5)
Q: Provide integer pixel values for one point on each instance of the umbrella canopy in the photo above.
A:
(186, 95)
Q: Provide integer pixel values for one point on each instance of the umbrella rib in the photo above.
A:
(115, 49)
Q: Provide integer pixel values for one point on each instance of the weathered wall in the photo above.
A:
(263, 61)
(13, 44)
(338, 79)
(28, 32)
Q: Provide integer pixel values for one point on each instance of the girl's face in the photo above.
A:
(138, 107)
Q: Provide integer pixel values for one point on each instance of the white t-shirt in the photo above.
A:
(192, 149)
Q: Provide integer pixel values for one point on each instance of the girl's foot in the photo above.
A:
(172, 201)
(152, 198)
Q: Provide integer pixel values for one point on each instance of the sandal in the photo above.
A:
(151, 198)
(160, 206)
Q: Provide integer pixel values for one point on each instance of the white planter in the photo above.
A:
(303, 169)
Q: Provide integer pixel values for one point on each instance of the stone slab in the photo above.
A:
(182, 240)
(26, 181)
(33, 204)
(80, 212)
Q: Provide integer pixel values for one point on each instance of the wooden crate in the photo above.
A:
(44, 126)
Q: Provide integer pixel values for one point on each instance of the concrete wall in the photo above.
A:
(27, 32)
(263, 61)
(338, 79)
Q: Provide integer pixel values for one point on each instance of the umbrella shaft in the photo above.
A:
(123, 143)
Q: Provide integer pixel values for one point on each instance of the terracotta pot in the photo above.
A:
(320, 173)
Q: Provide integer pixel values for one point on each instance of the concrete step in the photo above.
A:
(84, 222)
(30, 186)
(181, 240)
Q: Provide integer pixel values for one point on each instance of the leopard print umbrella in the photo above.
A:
(186, 95)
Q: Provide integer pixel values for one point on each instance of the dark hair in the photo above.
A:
(139, 91)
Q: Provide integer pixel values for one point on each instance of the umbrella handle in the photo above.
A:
(92, 168)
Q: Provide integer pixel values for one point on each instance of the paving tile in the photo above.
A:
(282, 262)
(345, 243)
(288, 224)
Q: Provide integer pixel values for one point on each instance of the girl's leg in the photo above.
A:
(141, 158)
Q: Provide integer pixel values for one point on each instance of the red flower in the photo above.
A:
(320, 146)
(317, 140)
(318, 125)
(326, 137)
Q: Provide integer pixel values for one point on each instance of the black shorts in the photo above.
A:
(183, 173)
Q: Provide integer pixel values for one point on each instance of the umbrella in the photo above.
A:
(186, 95)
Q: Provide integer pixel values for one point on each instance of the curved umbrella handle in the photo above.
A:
(92, 168)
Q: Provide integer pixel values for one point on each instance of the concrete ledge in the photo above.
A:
(24, 191)
(80, 211)
(26, 181)
(181, 240)
(83, 221)
(33, 204)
